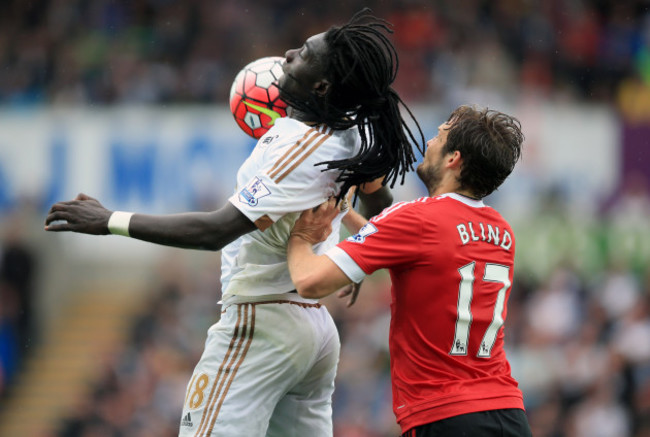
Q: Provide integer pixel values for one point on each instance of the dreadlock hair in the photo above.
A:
(361, 64)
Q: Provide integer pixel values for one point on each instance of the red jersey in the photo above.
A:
(451, 265)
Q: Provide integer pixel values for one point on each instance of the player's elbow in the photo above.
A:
(311, 287)
(307, 293)
(313, 276)
(212, 243)
(211, 247)
(375, 202)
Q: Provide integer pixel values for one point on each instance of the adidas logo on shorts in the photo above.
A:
(187, 420)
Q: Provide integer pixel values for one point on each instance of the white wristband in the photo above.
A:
(118, 223)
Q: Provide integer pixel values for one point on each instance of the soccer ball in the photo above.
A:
(255, 99)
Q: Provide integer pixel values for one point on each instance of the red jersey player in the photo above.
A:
(451, 260)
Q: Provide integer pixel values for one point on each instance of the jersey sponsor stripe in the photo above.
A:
(233, 372)
(325, 129)
(291, 149)
(222, 391)
(304, 156)
(237, 333)
(296, 153)
(264, 222)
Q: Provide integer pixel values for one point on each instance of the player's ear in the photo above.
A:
(322, 87)
(454, 159)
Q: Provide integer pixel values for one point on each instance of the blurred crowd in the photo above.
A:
(18, 270)
(577, 342)
(171, 51)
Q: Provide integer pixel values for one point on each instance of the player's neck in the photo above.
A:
(468, 194)
(446, 187)
(448, 183)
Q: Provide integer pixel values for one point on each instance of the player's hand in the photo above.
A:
(83, 214)
(351, 290)
(315, 225)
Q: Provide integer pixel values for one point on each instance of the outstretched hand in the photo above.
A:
(84, 214)
(315, 225)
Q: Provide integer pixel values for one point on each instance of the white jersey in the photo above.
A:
(275, 184)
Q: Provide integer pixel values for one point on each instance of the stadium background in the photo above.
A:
(126, 101)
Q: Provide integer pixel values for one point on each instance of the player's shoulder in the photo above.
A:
(453, 204)
(288, 126)
(402, 209)
(436, 206)
(287, 132)
(285, 129)
(424, 202)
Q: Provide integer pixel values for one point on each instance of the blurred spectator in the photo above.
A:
(147, 51)
(618, 292)
(17, 270)
(554, 312)
(137, 393)
(600, 415)
(630, 206)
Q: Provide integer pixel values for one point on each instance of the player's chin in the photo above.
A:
(423, 173)
(282, 81)
(286, 95)
(281, 85)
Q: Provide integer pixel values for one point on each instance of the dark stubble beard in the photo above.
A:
(430, 175)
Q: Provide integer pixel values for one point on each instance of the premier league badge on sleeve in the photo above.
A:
(368, 229)
(254, 191)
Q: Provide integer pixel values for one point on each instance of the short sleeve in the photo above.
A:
(346, 264)
(288, 180)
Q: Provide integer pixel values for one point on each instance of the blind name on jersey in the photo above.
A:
(484, 232)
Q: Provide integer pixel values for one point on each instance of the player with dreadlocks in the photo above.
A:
(269, 364)
(358, 65)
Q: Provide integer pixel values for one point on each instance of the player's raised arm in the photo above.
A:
(192, 230)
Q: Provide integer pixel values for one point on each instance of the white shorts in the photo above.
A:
(268, 369)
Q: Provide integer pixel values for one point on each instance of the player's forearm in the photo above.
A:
(192, 230)
(314, 276)
(195, 230)
(353, 221)
(188, 230)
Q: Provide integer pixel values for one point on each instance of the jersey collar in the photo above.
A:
(464, 199)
